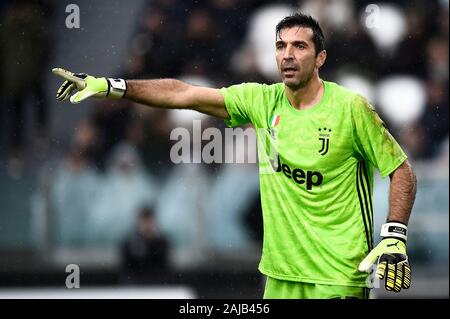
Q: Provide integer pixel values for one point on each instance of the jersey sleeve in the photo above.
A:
(243, 103)
(372, 141)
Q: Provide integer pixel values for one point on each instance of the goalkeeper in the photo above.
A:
(322, 144)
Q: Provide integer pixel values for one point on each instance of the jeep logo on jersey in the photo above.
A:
(311, 178)
(324, 136)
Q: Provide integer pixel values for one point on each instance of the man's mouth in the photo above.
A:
(289, 70)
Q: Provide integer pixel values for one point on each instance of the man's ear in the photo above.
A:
(320, 59)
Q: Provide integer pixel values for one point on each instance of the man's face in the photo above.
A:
(296, 56)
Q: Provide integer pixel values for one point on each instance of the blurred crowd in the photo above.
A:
(117, 169)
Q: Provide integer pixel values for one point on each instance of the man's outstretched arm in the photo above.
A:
(175, 94)
(163, 93)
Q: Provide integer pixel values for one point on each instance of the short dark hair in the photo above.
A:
(305, 21)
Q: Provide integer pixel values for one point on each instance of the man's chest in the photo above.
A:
(322, 140)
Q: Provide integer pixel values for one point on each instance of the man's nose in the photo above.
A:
(288, 53)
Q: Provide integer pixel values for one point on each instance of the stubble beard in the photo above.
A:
(301, 82)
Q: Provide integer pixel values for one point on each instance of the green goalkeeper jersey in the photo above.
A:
(316, 179)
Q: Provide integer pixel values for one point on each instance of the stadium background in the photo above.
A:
(73, 179)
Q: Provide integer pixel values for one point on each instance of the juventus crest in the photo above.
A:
(324, 137)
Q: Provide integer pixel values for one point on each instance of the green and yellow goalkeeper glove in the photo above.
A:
(88, 86)
(391, 258)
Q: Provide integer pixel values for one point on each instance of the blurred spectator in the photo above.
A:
(24, 52)
(413, 139)
(437, 59)
(253, 220)
(181, 212)
(201, 47)
(148, 129)
(229, 17)
(153, 52)
(434, 122)
(410, 50)
(127, 188)
(443, 20)
(75, 189)
(155, 125)
(345, 47)
(443, 158)
(245, 67)
(145, 250)
(229, 210)
(111, 119)
(226, 215)
(423, 138)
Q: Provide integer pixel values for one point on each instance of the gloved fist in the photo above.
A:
(87, 86)
(391, 258)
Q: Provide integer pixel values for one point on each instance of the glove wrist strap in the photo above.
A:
(394, 230)
(116, 88)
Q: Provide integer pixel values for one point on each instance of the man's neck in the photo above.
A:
(307, 96)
